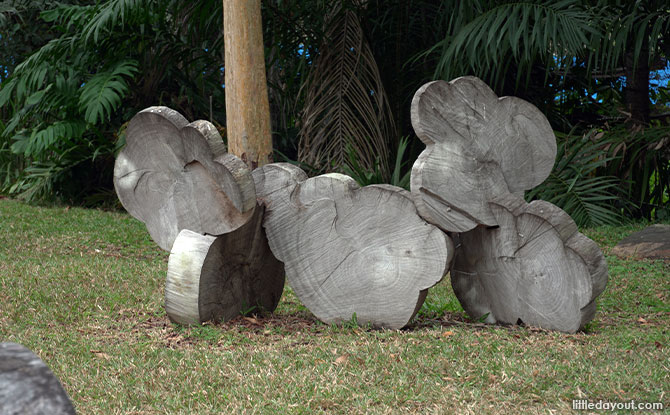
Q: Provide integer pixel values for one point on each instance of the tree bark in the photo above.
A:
(636, 93)
(247, 107)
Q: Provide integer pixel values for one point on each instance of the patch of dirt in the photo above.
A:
(261, 324)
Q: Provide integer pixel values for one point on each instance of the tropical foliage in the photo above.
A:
(342, 74)
(346, 111)
(68, 100)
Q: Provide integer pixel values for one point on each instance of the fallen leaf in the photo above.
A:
(252, 320)
(658, 345)
(447, 333)
(342, 359)
(641, 320)
(100, 354)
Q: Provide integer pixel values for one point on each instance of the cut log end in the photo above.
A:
(353, 251)
(478, 147)
(219, 278)
(172, 176)
(534, 267)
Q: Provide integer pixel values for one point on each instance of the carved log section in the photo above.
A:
(218, 278)
(173, 175)
(27, 386)
(535, 267)
(350, 250)
(478, 147)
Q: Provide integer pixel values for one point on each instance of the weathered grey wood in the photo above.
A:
(534, 267)
(172, 176)
(27, 386)
(478, 147)
(350, 250)
(273, 181)
(218, 278)
(211, 134)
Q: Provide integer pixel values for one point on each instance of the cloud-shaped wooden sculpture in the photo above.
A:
(173, 175)
(478, 147)
(349, 250)
(218, 278)
(534, 267)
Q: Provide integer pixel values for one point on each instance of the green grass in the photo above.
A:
(84, 290)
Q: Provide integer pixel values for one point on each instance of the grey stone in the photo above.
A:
(27, 385)
(652, 242)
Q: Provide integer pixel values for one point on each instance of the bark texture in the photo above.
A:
(219, 278)
(247, 107)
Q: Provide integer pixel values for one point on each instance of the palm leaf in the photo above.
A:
(493, 32)
(44, 137)
(110, 14)
(103, 93)
(345, 104)
(574, 186)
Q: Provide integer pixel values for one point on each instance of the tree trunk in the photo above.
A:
(636, 93)
(636, 97)
(247, 107)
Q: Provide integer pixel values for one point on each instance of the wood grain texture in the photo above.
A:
(534, 267)
(27, 386)
(350, 250)
(169, 177)
(219, 278)
(247, 106)
(478, 147)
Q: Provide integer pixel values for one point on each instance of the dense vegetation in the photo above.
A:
(74, 72)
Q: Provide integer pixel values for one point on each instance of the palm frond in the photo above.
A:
(400, 175)
(112, 13)
(574, 186)
(103, 93)
(44, 137)
(501, 31)
(345, 103)
(626, 28)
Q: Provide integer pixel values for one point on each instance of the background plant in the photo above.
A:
(585, 63)
(67, 101)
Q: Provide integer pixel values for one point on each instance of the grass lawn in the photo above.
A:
(83, 289)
